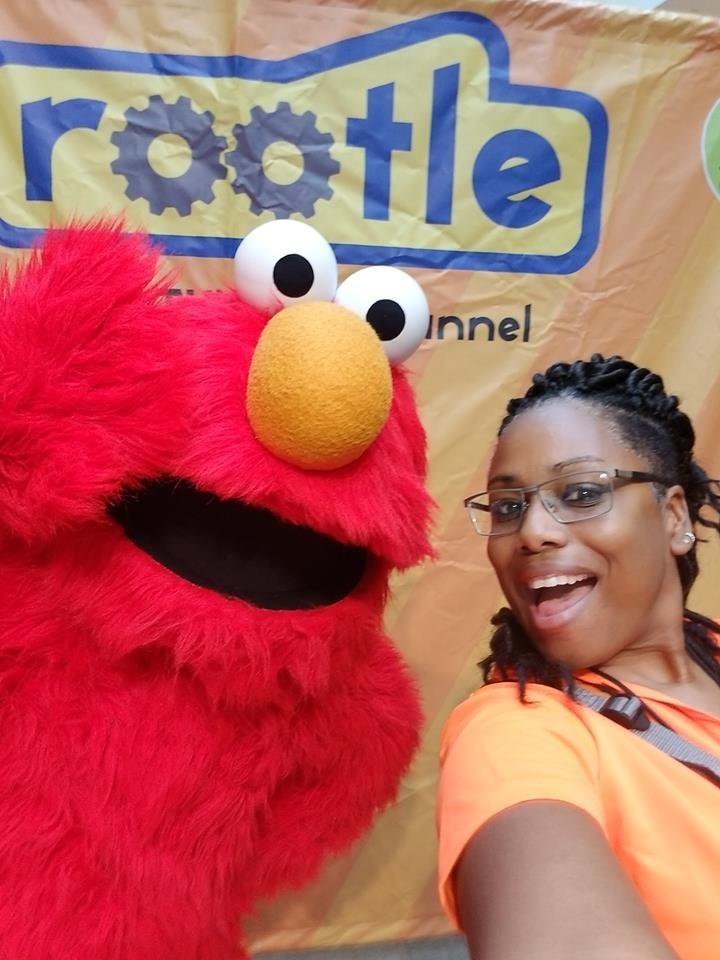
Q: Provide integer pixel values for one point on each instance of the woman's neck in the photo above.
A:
(666, 666)
(653, 666)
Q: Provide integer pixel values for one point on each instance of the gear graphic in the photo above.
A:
(133, 144)
(255, 137)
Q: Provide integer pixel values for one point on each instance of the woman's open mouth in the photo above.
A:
(554, 599)
(238, 550)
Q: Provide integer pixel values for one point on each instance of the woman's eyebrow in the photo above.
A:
(503, 478)
(511, 479)
(568, 463)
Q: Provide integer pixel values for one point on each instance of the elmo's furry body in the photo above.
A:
(169, 754)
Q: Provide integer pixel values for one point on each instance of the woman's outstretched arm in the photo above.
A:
(539, 882)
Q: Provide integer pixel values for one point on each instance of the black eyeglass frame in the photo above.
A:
(629, 476)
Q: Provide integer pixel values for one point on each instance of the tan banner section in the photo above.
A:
(550, 173)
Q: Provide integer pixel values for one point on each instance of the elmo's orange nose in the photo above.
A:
(319, 387)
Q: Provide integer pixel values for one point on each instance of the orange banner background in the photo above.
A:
(649, 290)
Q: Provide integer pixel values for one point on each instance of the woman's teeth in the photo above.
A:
(554, 596)
(562, 580)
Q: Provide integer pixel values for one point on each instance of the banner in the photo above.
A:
(551, 175)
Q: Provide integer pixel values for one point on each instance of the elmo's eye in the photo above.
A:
(284, 262)
(392, 303)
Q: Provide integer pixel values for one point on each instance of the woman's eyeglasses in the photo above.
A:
(568, 498)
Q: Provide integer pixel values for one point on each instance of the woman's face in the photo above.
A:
(627, 591)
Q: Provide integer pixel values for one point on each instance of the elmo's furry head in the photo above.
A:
(231, 476)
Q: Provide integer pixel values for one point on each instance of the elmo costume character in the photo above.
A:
(201, 499)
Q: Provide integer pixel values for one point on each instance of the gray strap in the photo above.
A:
(664, 739)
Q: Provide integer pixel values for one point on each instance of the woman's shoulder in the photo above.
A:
(499, 751)
(495, 712)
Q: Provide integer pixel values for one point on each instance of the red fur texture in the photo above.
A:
(170, 754)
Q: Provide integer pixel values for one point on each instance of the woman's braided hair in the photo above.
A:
(650, 421)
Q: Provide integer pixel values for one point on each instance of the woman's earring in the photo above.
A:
(688, 537)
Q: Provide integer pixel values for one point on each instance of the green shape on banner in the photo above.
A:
(711, 148)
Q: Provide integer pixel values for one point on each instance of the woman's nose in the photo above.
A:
(320, 387)
(539, 528)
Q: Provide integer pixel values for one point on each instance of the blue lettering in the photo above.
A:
(495, 184)
(43, 123)
(378, 134)
(441, 158)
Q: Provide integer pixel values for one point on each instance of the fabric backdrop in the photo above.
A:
(550, 173)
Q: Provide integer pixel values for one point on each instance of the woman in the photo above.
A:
(562, 833)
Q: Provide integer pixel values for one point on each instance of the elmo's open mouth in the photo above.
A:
(236, 549)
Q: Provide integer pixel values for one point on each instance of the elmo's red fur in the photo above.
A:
(170, 754)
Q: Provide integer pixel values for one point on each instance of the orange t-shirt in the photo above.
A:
(661, 819)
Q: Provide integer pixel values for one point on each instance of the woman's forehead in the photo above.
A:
(560, 434)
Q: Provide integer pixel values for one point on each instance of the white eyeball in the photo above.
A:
(284, 262)
(393, 303)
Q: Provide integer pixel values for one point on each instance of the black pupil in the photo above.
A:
(293, 275)
(387, 318)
